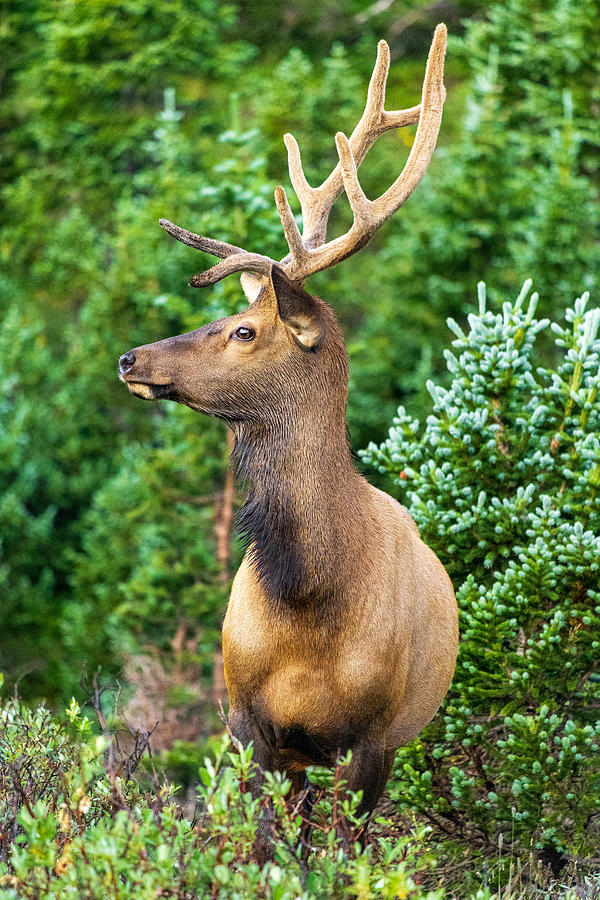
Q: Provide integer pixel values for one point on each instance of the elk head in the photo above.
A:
(238, 368)
(241, 367)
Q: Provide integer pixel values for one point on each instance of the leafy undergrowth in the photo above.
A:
(78, 820)
(86, 815)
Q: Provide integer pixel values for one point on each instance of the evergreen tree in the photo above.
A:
(85, 99)
(515, 194)
(503, 481)
(148, 562)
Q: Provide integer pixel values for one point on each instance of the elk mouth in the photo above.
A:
(148, 390)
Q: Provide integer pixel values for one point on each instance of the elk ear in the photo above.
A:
(298, 310)
(253, 285)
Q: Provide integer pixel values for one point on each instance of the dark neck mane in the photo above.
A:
(303, 513)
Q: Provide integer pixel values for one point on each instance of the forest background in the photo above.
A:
(117, 545)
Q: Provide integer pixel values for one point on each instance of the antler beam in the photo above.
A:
(309, 252)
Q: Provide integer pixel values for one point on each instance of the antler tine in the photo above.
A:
(316, 203)
(290, 229)
(216, 248)
(239, 262)
(376, 91)
(359, 202)
(314, 214)
(304, 192)
(235, 259)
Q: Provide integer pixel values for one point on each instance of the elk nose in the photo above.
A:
(126, 362)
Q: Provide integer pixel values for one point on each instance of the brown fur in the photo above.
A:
(341, 631)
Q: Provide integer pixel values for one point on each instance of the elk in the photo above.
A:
(341, 629)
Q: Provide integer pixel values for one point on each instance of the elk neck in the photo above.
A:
(303, 517)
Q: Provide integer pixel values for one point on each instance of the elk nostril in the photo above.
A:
(126, 362)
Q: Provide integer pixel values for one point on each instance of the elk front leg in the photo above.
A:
(246, 728)
(301, 789)
(368, 772)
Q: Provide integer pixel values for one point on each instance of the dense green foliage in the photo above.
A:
(504, 482)
(94, 153)
(80, 816)
(116, 113)
(69, 827)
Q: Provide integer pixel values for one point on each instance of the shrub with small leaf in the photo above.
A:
(72, 828)
(503, 481)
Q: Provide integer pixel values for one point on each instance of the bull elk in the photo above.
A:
(341, 630)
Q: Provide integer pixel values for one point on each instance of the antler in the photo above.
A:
(308, 251)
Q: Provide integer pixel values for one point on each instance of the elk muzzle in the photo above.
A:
(141, 380)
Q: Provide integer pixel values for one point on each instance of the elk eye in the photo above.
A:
(243, 333)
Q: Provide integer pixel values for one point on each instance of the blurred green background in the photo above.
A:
(115, 542)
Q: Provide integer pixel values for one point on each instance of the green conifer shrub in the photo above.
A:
(503, 480)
